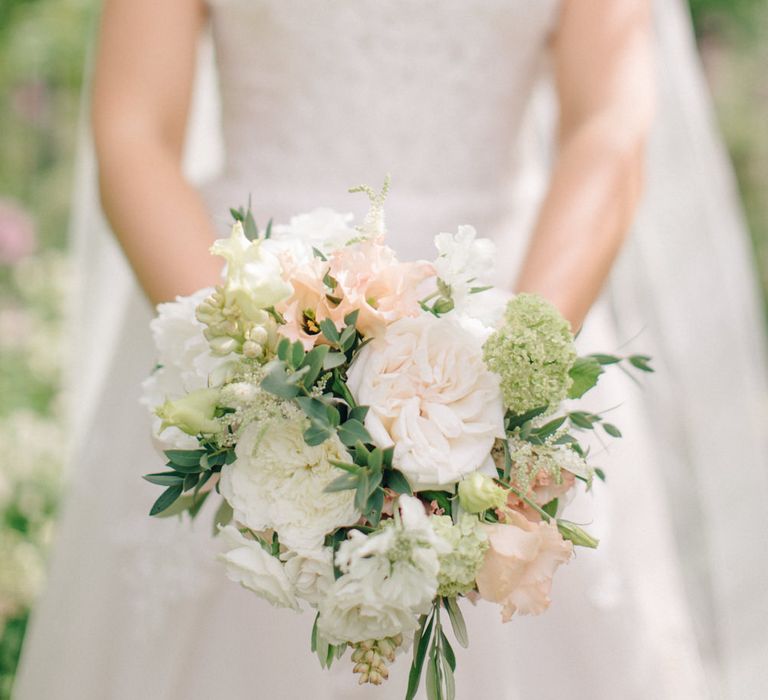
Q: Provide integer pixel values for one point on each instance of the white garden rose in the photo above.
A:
(185, 363)
(278, 482)
(254, 276)
(310, 573)
(388, 579)
(431, 396)
(249, 565)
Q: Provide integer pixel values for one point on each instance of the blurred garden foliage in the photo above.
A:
(42, 54)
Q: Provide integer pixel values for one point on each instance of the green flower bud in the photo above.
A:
(193, 414)
(572, 532)
(479, 492)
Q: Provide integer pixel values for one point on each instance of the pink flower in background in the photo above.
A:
(17, 233)
(519, 565)
(544, 488)
(371, 279)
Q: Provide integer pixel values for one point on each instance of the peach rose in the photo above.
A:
(370, 278)
(519, 565)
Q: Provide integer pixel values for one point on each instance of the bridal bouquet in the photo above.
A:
(387, 437)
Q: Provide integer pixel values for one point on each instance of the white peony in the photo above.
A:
(389, 578)
(431, 396)
(185, 363)
(464, 261)
(249, 565)
(278, 482)
(254, 276)
(324, 229)
(310, 573)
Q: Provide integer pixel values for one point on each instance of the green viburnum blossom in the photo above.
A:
(459, 567)
(532, 352)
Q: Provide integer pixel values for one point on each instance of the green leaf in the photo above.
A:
(185, 458)
(346, 466)
(448, 654)
(164, 478)
(641, 362)
(268, 232)
(448, 679)
(517, 420)
(297, 354)
(599, 473)
(276, 382)
(329, 330)
(345, 482)
(605, 359)
(397, 482)
(314, 359)
(376, 459)
(358, 413)
(223, 516)
(190, 481)
(284, 349)
(315, 409)
(585, 373)
(457, 621)
(351, 318)
(351, 431)
(433, 675)
(363, 490)
(549, 428)
(198, 500)
(333, 360)
(166, 499)
(316, 434)
(577, 535)
(347, 339)
(374, 507)
(389, 454)
(250, 228)
(420, 645)
(581, 419)
(551, 508)
(612, 430)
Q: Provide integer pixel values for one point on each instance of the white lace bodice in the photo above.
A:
(318, 95)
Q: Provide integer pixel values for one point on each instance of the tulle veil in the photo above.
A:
(685, 281)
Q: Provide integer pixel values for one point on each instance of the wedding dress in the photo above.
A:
(445, 95)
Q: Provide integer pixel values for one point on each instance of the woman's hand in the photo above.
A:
(144, 75)
(603, 73)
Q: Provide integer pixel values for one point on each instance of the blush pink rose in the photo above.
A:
(370, 278)
(519, 565)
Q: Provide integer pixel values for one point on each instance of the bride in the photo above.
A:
(451, 97)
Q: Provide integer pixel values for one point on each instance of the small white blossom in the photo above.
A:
(323, 229)
(249, 565)
(389, 579)
(464, 261)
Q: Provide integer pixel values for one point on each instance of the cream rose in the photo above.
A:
(519, 565)
(310, 573)
(278, 482)
(431, 396)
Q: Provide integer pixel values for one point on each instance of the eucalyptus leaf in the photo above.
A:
(329, 330)
(353, 431)
(447, 649)
(333, 360)
(397, 482)
(316, 434)
(612, 430)
(284, 349)
(314, 408)
(277, 382)
(351, 318)
(345, 482)
(641, 362)
(433, 675)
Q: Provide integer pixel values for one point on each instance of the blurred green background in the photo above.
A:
(42, 47)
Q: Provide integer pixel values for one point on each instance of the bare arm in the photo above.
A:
(144, 75)
(603, 73)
